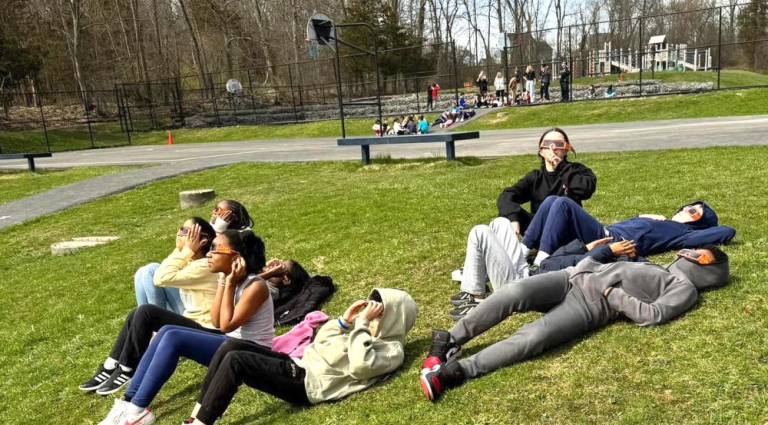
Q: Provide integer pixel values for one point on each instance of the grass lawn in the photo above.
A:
(718, 104)
(402, 225)
(728, 78)
(20, 184)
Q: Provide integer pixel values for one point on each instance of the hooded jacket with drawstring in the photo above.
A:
(340, 362)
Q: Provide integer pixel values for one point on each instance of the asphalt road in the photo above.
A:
(731, 131)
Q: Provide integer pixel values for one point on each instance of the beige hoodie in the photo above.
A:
(197, 284)
(340, 362)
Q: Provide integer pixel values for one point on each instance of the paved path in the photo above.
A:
(180, 159)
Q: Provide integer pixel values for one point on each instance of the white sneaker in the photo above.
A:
(457, 274)
(117, 415)
(144, 418)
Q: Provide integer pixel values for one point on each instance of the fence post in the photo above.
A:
(180, 102)
(642, 50)
(418, 102)
(455, 73)
(216, 111)
(42, 120)
(506, 65)
(719, 44)
(293, 98)
(88, 118)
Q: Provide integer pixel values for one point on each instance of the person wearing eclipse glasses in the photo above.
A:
(556, 177)
(574, 301)
(561, 220)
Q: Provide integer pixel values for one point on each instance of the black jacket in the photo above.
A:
(570, 179)
(291, 310)
(571, 254)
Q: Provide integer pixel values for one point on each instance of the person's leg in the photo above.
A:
(486, 258)
(136, 335)
(563, 323)
(534, 293)
(264, 370)
(566, 221)
(536, 225)
(144, 286)
(173, 300)
(516, 251)
(160, 361)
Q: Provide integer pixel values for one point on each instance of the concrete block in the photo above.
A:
(196, 198)
(80, 243)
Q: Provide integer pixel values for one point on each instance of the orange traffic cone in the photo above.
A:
(170, 138)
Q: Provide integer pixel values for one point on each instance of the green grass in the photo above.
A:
(402, 225)
(728, 78)
(718, 104)
(20, 184)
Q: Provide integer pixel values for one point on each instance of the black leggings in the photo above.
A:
(141, 322)
(237, 362)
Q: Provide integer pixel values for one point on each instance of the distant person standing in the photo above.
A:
(546, 78)
(435, 93)
(430, 105)
(530, 83)
(500, 85)
(565, 83)
(482, 84)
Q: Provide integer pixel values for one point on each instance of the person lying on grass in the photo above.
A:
(230, 214)
(346, 356)
(561, 220)
(133, 339)
(242, 310)
(574, 301)
(182, 283)
(495, 254)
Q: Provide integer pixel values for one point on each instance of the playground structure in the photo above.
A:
(658, 56)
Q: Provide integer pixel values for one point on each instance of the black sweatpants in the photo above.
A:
(237, 362)
(141, 322)
(565, 94)
(544, 90)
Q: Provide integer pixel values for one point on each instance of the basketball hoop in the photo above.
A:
(320, 32)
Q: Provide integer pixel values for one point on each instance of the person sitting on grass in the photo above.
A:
(134, 337)
(182, 281)
(346, 356)
(230, 214)
(560, 220)
(242, 310)
(423, 125)
(574, 301)
(556, 176)
(495, 255)
(397, 129)
(376, 128)
(410, 125)
(609, 93)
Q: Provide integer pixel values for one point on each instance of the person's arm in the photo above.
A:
(719, 235)
(579, 181)
(510, 200)
(678, 298)
(179, 269)
(231, 316)
(370, 357)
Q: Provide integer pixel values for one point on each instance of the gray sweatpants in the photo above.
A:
(567, 317)
(494, 253)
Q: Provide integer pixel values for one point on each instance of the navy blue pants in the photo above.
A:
(558, 221)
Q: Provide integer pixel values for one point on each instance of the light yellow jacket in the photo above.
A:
(197, 285)
(341, 362)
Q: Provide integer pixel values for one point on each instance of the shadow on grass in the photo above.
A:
(183, 393)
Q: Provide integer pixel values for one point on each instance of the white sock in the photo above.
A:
(110, 363)
(540, 256)
(133, 410)
(195, 410)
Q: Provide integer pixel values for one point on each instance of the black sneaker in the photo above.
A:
(440, 377)
(442, 346)
(459, 312)
(116, 381)
(100, 377)
(465, 297)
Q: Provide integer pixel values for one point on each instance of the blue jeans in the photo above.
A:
(148, 293)
(558, 221)
(161, 358)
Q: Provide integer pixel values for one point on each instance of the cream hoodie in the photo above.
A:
(339, 362)
(197, 285)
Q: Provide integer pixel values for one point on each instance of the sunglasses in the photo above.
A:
(223, 251)
(701, 258)
(555, 145)
(183, 231)
(694, 212)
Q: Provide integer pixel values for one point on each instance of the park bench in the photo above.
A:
(30, 157)
(447, 138)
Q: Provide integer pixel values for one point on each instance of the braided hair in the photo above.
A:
(250, 247)
(240, 217)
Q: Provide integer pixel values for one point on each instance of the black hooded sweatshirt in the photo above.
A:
(570, 179)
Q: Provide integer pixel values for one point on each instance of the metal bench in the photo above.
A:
(30, 157)
(447, 138)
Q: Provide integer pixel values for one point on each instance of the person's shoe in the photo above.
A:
(144, 418)
(459, 312)
(117, 415)
(465, 297)
(440, 377)
(443, 348)
(116, 381)
(457, 274)
(101, 376)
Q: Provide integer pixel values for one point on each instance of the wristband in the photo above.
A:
(343, 324)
